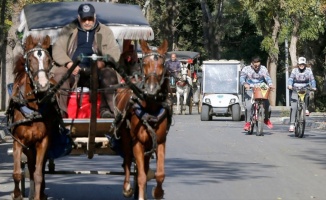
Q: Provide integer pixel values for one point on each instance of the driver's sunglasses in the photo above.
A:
(87, 19)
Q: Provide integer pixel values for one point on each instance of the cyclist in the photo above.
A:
(301, 76)
(251, 75)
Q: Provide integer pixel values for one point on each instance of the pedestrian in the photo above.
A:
(87, 36)
(251, 76)
(300, 77)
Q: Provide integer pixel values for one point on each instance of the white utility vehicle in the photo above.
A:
(221, 90)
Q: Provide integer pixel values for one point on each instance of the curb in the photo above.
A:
(309, 123)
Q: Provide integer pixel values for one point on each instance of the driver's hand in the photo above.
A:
(76, 70)
(100, 64)
(314, 89)
(247, 86)
(271, 87)
(290, 87)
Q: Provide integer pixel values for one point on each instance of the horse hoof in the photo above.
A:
(157, 194)
(128, 193)
(44, 197)
(17, 198)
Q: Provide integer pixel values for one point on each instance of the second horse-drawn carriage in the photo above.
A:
(32, 117)
(185, 85)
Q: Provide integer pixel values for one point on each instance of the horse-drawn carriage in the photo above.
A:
(185, 86)
(87, 135)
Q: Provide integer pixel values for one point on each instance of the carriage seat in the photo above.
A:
(79, 105)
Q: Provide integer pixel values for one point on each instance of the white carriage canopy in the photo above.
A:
(126, 21)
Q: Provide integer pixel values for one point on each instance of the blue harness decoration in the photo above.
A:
(151, 117)
(61, 144)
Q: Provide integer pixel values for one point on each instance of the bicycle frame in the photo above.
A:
(257, 117)
(300, 121)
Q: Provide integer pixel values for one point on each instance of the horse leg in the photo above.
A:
(127, 160)
(39, 169)
(185, 96)
(158, 191)
(30, 154)
(138, 150)
(178, 102)
(17, 153)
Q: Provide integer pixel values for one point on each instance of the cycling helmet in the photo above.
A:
(302, 61)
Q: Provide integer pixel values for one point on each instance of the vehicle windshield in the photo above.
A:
(221, 78)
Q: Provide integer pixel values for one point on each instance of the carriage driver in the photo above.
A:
(86, 35)
(173, 65)
(250, 76)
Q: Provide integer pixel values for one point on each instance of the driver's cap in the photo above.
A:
(302, 60)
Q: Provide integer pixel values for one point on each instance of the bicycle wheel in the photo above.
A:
(252, 125)
(296, 122)
(301, 122)
(252, 119)
(260, 120)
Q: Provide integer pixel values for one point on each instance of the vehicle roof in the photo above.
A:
(184, 55)
(126, 21)
(221, 61)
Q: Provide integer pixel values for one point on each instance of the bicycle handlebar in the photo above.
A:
(305, 88)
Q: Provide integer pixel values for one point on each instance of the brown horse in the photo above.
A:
(32, 116)
(144, 121)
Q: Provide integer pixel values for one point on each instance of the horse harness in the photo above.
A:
(150, 120)
(20, 101)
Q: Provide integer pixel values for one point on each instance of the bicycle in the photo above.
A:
(300, 116)
(257, 109)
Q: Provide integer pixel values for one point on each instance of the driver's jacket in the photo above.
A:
(104, 43)
(173, 66)
(250, 76)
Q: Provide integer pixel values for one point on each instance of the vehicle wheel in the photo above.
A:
(301, 123)
(236, 116)
(204, 116)
(260, 121)
(190, 104)
(296, 124)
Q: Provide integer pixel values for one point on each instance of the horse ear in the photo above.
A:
(29, 43)
(163, 48)
(46, 42)
(144, 46)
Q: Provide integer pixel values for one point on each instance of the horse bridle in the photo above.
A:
(27, 64)
(156, 56)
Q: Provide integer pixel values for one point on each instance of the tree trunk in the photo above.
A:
(212, 31)
(170, 32)
(3, 44)
(294, 41)
(12, 49)
(273, 59)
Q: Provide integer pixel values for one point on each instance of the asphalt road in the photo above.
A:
(205, 160)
